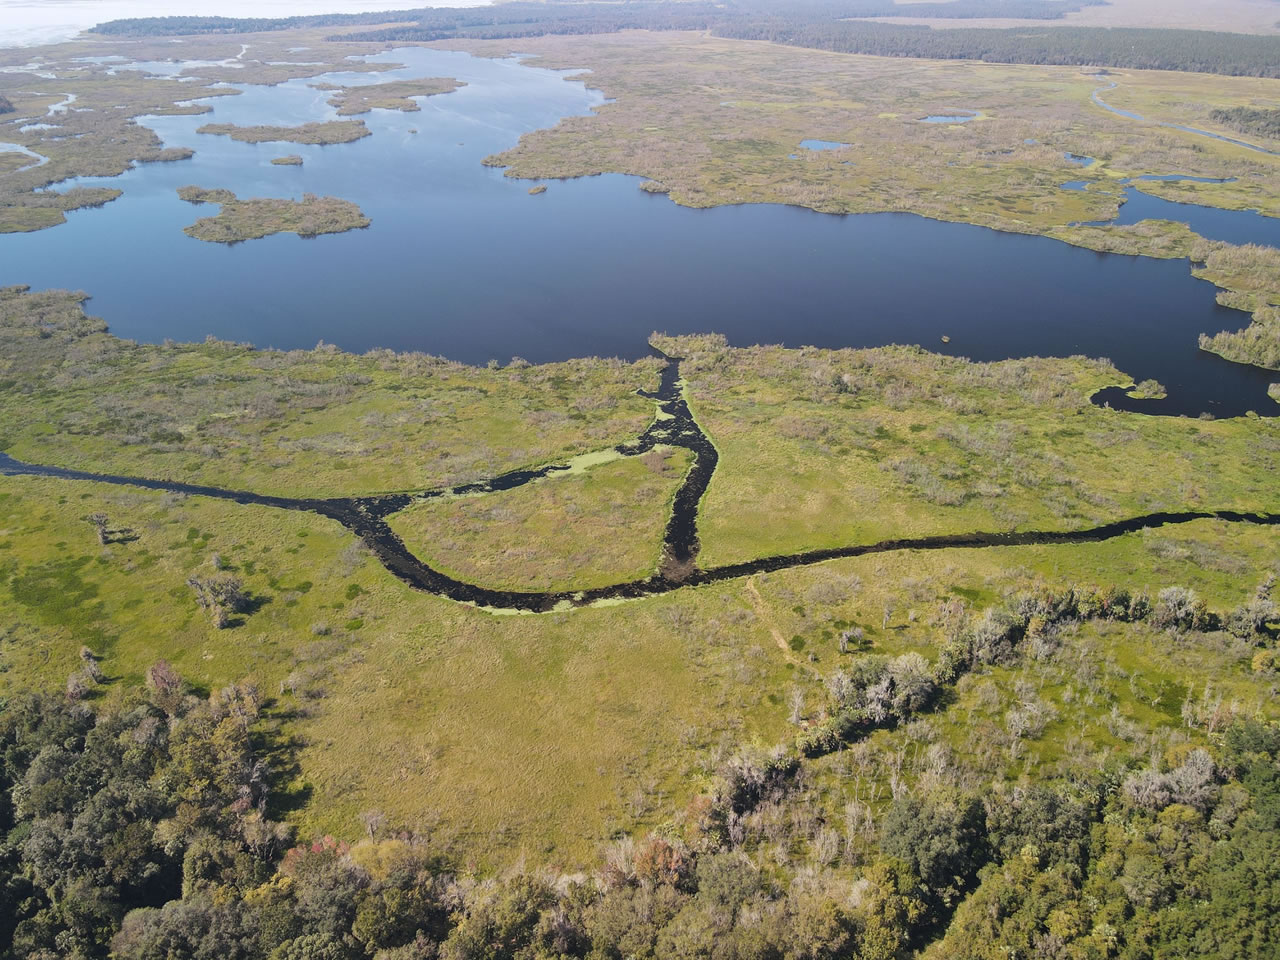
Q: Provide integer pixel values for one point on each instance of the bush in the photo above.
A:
(1179, 609)
(1251, 618)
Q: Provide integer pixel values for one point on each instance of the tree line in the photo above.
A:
(1259, 122)
(818, 24)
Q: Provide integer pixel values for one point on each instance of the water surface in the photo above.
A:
(461, 261)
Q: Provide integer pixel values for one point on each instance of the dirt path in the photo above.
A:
(762, 611)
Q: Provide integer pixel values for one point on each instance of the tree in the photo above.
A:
(220, 597)
(941, 837)
(165, 686)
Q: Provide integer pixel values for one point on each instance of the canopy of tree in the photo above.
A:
(1256, 121)
(143, 832)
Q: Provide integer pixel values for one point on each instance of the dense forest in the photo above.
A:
(653, 14)
(1193, 50)
(1251, 120)
(148, 830)
(820, 24)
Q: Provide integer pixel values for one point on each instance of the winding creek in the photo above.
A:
(1111, 85)
(460, 259)
(366, 517)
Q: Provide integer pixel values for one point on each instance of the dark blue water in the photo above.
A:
(461, 261)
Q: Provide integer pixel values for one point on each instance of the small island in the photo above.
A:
(168, 155)
(397, 95)
(540, 188)
(252, 219)
(293, 160)
(1148, 390)
(332, 131)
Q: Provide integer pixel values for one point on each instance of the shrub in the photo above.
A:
(1179, 609)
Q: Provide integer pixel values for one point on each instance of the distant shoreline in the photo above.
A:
(25, 24)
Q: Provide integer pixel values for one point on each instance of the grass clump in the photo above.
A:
(252, 219)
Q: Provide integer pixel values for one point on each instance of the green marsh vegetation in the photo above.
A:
(241, 220)
(312, 422)
(327, 763)
(428, 733)
(821, 448)
(592, 528)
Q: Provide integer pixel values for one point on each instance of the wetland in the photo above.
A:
(759, 273)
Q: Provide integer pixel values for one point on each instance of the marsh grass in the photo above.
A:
(314, 422)
(101, 136)
(834, 447)
(544, 737)
(570, 531)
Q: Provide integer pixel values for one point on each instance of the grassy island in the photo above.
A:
(260, 217)
(393, 95)
(327, 132)
(1149, 390)
(293, 160)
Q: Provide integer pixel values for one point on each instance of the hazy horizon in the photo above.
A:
(32, 22)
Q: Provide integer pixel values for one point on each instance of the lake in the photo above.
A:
(461, 261)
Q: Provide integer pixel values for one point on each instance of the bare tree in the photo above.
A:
(220, 597)
(91, 669)
(373, 820)
(796, 703)
(166, 686)
(99, 521)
